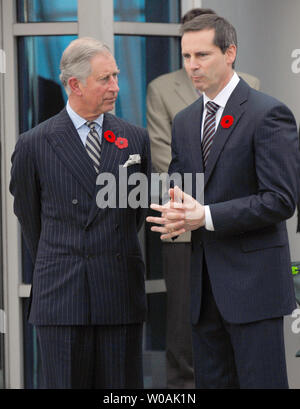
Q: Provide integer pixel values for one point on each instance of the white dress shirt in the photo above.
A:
(221, 99)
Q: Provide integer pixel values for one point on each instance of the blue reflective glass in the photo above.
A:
(40, 96)
(141, 59)
(32, 11)
(41, 93)
(156, 11)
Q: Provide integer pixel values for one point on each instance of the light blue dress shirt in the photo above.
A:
(80, 124)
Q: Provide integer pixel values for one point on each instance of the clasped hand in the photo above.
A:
(181, 214)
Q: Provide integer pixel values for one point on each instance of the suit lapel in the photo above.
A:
(235, 109)
(111, 156)
(195, 150)
(66, 142)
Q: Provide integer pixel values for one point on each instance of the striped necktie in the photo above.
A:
(93, 145)
(209, 129)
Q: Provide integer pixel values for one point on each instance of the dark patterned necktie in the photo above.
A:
(93, 145)
(209, 129)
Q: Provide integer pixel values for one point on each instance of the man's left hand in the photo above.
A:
(181, 214)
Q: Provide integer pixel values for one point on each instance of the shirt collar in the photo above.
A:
(78, 121)
(223, 96)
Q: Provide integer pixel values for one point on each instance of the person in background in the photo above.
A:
(88, 297)
(166, 96)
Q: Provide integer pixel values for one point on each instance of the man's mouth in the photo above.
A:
(197, 77)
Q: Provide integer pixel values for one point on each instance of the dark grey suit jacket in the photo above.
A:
(88, 266)
(251, 184)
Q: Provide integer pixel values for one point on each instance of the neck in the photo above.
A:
(213, 93)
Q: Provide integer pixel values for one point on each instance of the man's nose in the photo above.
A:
(113, 86)
(194, 63)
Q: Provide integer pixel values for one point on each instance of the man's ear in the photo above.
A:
(75, 86)
(231, 54)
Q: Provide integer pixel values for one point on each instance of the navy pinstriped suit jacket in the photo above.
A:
(251, 184)
(88, 267)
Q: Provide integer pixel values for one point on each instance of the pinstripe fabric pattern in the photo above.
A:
(251, 184)
(92, 357)
(93, 145)
(209, 129)
(244, 356)
(88, 262)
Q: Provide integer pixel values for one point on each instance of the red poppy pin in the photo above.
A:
(109, 136)
(227, 121)
(121, 143)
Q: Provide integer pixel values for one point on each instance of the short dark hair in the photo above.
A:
(194, 13)
(225, 33)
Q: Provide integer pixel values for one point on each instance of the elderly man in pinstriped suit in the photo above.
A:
(88, 296)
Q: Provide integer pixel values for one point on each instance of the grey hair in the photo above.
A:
(75, 61)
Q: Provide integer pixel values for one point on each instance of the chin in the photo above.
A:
(109, 108)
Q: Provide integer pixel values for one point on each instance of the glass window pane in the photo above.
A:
(141, 59)
(150, 11)
(40, 96)
(41, 93)
(33, 11)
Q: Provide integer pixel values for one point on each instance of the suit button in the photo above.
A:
(118, 255)
(74, 201)
(200, 243)
(117, 226)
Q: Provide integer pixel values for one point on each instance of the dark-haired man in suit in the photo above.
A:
(245, 143)
(88, 296)
(166, 96)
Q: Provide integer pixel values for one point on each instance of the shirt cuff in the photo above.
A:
(208, 220)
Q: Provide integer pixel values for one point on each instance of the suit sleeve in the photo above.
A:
(159, 128)
(298, 205)
(277, 165)
(175, 165)
(25, 188)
